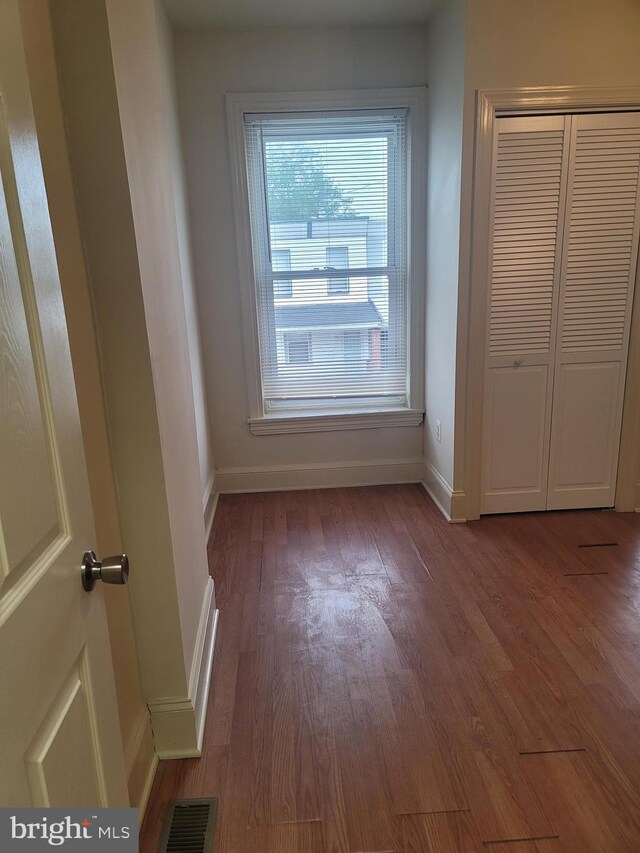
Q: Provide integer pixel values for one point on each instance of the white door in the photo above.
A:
(59, 733)
(597, 278)
(529, 185)
(565, 222)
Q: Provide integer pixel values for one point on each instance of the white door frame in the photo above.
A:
(492, 104)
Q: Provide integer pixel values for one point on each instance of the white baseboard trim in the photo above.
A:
(173, 721)
(210, 503)
(451, 504)
(178, 721)
(458, 508)
(145, 793)
(136, 741)
(321, 475)
(200, 676)
(141, 762)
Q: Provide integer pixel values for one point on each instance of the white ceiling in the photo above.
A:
(297, 13)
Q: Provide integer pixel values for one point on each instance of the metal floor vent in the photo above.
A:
(188, 826)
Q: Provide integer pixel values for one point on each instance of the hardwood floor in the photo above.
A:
(385, 681)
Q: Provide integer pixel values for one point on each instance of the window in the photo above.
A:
(281, 262)
(297, 348)
(337, 259)
(352, 345)
(314, 181)
(323, 216)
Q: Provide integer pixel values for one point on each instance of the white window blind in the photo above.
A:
(328, 192)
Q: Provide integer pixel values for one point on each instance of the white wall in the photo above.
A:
(143, 117)
(446, 94)
(184, 247)
(552, 42)
(534, 43)
(210, 64)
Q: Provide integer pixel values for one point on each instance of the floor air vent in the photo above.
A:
(188, 826)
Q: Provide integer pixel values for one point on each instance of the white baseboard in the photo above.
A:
(178, 721)
(318, 475)
(173, 720)
(200, 677)
(458, 508)
(451, 504)
(145, 792)
(141, 761)
(210, 503)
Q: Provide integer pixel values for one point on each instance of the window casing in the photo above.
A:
(350, 270)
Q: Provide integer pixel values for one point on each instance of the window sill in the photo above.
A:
(281, 424)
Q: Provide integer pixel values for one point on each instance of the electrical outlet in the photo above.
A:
(438, 430)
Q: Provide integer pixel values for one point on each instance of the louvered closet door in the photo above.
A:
(597, 280)
(530, 166)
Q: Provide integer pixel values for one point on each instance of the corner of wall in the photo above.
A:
(210, 503)
(178, 721)
(452, 504)
(142, 77)
(444, 200)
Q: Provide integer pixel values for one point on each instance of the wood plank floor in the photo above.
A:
(385, 681)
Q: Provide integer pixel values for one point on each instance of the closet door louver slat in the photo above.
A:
(602, 261)
(528, 177)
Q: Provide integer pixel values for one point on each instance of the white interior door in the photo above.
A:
(529, 186)
(596, 294)
(59, 732)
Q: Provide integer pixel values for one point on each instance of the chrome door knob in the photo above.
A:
(110, 570)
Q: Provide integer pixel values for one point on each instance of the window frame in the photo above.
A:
(412, 99)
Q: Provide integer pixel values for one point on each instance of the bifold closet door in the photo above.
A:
(530, 161)
(565, 220)
(598, 270)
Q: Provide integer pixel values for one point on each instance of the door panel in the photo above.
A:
(585, 436)
(58, 717)
(596, 295)
(516, 451)
(530, 157)
(54, 774)
(31, 518)
(528, 198)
